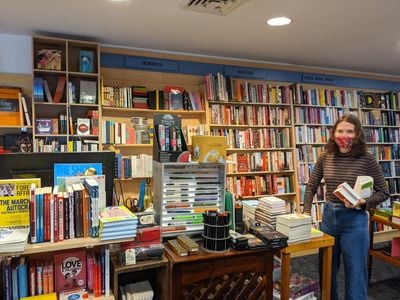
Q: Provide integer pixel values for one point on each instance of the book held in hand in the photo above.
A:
(346, 193)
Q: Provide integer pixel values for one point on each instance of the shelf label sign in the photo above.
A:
(151, 63)
(317, 78)
(245, 72)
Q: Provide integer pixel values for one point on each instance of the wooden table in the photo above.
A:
(234, 274)
(325, 243)
(378, 253)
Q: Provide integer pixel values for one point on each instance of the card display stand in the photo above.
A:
(183, 191)
(216, 231)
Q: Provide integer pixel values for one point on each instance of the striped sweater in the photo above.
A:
(341, 167)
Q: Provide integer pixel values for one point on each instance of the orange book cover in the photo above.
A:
(59, 93)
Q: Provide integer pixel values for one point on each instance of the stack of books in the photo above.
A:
(268, 209)
(249, 209)
(138, 290)
(295, 226)
(117, 222)
(274, 239)
(13, 240)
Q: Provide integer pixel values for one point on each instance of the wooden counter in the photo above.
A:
(234, 274)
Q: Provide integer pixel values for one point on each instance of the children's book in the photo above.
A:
(15, 201)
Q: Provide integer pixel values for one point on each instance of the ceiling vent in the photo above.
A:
(216, 7)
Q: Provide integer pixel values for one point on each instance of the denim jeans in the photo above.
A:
(349, 227)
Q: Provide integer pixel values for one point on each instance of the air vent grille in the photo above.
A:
(216, 7)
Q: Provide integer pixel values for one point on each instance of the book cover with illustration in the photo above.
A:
(15, 201)
(69, 270)
(75, 169)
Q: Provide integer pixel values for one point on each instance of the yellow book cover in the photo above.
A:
(209, 149)
(15, 201)
(396, 208)
(51, 296)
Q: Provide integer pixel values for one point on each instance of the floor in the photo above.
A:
(385, 281)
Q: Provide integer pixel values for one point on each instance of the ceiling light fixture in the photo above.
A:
(279, 21)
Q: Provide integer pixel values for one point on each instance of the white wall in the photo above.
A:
(15, 54)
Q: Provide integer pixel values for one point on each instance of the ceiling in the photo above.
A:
(357, 35)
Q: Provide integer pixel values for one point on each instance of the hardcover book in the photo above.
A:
(87, 92)
(346, 193)
(69, 270)
(49, 59)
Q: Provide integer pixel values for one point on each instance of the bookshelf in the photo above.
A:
(117, 87)
(65, 95)
(11, 133)
(316, 110)
(256, 117)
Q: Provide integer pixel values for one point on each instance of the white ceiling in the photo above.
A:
(358, 35)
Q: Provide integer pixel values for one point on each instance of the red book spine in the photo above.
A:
(46, 217)
(32, 278)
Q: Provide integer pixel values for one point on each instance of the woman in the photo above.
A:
(344, 159)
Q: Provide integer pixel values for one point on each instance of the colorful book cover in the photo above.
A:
(75, 169)
(15, 201)
(113, 214)
(86, 61)
(69, 270)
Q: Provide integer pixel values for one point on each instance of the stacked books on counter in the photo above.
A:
(13, 240)
(117, 222)
(268, 209)
(295, 226)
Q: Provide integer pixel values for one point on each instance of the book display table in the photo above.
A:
(325, 243)
(379, 253)
(234, 274)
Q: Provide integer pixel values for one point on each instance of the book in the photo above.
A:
(47, 91)
(86, 61)
(75, 169)
(26, 111)
(49, 59)
(87, 92)
(82, 126)
(59, 93)
(346, 193)
(15, 199)
(13, 239)
(116, 214)
(69, 270)
(364, 186)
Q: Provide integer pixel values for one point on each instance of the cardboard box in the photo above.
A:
(165, 144)
(209, 149)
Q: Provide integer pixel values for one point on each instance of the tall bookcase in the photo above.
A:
(192, 120)
(256, 117)
(65, 95)
(316, 110)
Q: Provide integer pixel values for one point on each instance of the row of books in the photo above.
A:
(305, 134)
(41, 90)
(308, 153)
(121, 133)
(258, 185)
(255, 138)
(317, 115)
(56, 214)
(51, 144)
(304, 171)
(380, 117)
(134, 166)
(272, 161)
(325, 97)
(66, 271)
(390, 168)
(250, 115)
(386, 100)
(381, 135)
(171, 98)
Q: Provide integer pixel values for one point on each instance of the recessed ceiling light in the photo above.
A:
(279, 21)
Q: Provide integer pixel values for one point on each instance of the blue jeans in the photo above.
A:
(349, 227)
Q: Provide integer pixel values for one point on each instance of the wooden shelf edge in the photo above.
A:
(139, 266)
(392, 260)
(67, 244)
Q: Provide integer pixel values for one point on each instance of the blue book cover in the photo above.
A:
(75, 169)
(22, 277)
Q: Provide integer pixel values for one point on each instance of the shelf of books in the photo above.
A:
(130, 100)
(256, 118)
(65, 95)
